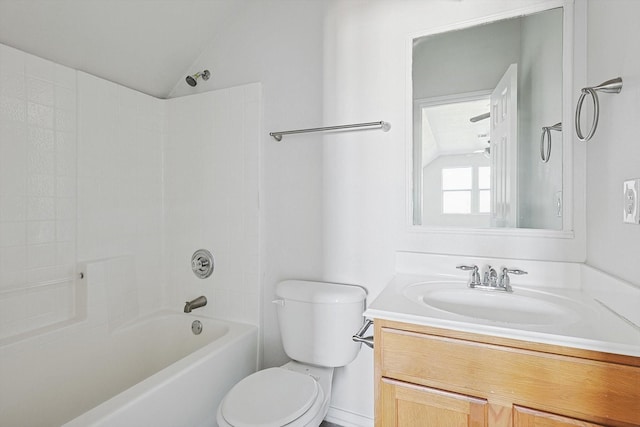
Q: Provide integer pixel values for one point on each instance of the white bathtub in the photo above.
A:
(154, 372)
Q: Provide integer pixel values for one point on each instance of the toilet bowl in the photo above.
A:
(293, 395)
(317, 321)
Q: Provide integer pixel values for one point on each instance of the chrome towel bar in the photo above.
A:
(480, 117)
(358, 337)
(545, 149)
(385, 126)
(610, 86)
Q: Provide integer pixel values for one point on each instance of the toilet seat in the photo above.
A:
(272, 397)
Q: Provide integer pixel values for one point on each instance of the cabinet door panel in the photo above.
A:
(525, 417)
(408, 405)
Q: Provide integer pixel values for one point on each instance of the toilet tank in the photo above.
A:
(318, 319)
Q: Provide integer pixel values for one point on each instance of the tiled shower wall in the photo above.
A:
(37, 192)
(120, 200)
(211, 199)
(143, 184)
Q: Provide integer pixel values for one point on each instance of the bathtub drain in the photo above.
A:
(196, 327)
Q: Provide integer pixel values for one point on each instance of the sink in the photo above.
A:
(523, 306)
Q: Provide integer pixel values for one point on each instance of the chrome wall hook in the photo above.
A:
(610, 86)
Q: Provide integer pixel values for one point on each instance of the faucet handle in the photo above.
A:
(505, 281)
(474, 278)
(516, 271)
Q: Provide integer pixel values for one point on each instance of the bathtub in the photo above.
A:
(153, 372)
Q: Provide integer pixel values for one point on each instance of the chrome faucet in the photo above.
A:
(490, 280)
(490, 276)
(196, 303)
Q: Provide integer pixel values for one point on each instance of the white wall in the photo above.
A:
(614, 152)
(280, 44)
(476, 59)
(81, 180)
(120, 200)
(37, 192)
(211, 200)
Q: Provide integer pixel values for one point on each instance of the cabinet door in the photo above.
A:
(409, 405)
(525, 417)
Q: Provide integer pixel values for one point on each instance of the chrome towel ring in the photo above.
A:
(610, 86)
(545, 154)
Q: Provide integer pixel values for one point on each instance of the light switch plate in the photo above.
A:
(631, 201)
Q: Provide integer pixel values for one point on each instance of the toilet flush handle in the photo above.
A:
(359, 336)
(280, 302)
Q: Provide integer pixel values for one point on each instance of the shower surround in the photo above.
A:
(93, 172)
(37, 192)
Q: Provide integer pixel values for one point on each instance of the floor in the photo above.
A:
(328, 424)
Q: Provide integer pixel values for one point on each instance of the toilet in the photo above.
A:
(317, 321)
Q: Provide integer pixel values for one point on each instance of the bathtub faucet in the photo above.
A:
(196, 303)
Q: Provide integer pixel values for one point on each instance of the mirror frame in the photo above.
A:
(567, 244)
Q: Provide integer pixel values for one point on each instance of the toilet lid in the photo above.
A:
(269, 398)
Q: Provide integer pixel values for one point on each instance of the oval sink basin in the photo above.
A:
(523, 306)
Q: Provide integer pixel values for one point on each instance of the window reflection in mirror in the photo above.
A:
(481, 96)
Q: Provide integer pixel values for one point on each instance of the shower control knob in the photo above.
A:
(202, 263)
(199, 264)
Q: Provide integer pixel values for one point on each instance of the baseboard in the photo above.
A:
(347, 419)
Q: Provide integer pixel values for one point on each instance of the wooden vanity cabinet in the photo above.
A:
(441, 378)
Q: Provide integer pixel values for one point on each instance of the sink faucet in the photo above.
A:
(490, 276)
(490, 280)
(196, 303)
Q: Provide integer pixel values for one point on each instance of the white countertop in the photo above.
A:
(596, 328)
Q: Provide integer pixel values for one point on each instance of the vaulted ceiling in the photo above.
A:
(147, 45)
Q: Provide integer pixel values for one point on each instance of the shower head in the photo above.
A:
(192, 80)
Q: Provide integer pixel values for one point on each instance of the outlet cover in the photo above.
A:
(631, 201)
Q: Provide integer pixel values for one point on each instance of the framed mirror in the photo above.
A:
(487, 145)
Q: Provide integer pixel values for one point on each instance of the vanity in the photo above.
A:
(429, 376)
(441, 360)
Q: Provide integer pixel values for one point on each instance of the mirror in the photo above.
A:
(482, 99)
